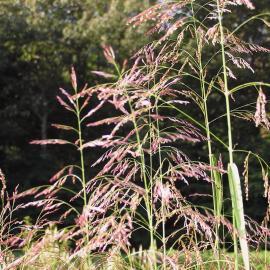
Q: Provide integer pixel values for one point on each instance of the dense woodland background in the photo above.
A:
(41, 40)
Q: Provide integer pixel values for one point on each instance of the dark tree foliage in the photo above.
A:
(39, 41)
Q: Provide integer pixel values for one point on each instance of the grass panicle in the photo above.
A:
(160, 111)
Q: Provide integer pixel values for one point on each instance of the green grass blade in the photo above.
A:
(218, 190)
(238, 211)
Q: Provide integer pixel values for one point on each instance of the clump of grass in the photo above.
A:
(143, 162)
(207, 29)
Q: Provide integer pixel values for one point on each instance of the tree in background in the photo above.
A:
(39, 41)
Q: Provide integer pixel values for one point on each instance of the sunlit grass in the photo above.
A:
(142, 161)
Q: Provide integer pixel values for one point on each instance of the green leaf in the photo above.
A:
(238, 211)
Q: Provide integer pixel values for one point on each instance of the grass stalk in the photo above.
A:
(81, 152)
(234, 179)
(148, 193)
(147, 186)
(216, 184)
(163, 208)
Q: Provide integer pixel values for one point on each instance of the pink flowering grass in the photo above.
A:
(144, 162)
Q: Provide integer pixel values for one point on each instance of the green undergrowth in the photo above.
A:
(55, 258)
(259, 260)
